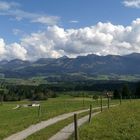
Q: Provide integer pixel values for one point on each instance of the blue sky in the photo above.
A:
(20, 19)
(82, 12)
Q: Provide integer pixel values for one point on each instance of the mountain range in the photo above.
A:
(89, 65)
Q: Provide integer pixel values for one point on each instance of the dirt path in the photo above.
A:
(36, 127)
(67, 131)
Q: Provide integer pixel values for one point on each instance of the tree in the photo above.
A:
(137, 93)
(1, 96)
(116, 94)
(125, 91)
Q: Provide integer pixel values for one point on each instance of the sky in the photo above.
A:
(33, 29)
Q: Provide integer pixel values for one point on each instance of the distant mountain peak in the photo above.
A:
(2, 62)
(133, 54)
(63, 57)
(90, 64)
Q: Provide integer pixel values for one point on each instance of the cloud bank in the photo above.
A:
(54, 42)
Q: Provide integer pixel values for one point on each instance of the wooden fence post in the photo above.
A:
(39, 110)
(90, 112)
(101, 103)
(75, 127)
(108, 102)
(120, 99)
(83, 99)
(130, 98)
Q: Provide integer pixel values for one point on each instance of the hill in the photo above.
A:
(85, 66)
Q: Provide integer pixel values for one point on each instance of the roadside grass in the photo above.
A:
(12, 121)
(47, 132)
(119, 123)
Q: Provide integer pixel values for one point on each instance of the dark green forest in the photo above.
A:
(44, 91)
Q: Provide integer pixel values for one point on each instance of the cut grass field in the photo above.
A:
(119, 123)
(12, 121)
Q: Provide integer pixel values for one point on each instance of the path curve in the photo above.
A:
(68, 130)
(43, 124)
(36, 127)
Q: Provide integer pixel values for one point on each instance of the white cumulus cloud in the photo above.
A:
(2, 47)
(15, 50)
(12, 51)
(55, 41)
(132, 3)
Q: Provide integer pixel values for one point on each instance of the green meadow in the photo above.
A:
(14, 120)
(118, 123)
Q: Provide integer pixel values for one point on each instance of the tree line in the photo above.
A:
(45, 91)
(21, 92)
(126, 93)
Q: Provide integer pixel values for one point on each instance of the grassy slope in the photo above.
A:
(53, 129)
(12, 121)
(119, 123)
